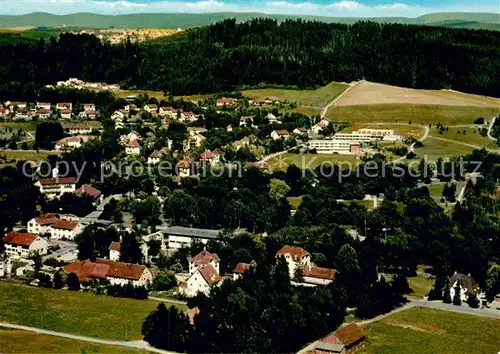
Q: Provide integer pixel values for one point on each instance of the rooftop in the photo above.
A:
(20, 238)
(189, 232)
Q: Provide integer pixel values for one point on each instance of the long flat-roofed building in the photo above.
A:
(334, 146)
(178, 236)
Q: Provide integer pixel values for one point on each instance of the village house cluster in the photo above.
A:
(23, 111)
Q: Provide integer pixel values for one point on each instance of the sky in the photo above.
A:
(342, 8)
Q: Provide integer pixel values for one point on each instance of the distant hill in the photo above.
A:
(186, 20)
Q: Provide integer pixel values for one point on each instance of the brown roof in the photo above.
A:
(244, 118)
(75, 126)
(292, 250)
(60, 180)
(350, 334)
(242, 268)
(115, 246)
(46, 219)
(318, 272)
(189, 114)
(132, 143)
(20, 238)
(226, 100)
(184, 163)
(207, 155)
(282, 132)
(88, 189)
(44, 111)
(205, 257)
(65, 224)
(103, 268)
(209, 274)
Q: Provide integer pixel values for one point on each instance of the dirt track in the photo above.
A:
(367, 93)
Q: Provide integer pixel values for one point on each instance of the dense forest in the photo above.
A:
(229, 55)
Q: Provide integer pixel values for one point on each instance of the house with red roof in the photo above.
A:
(210, 157)
(245, 121)
(117, 273)
(241, 268)
(40, 225)
(55, 187)
(344, 340)
(204, 274)
(280, 134)
(226, 101)
(87, 189)
(132, 147)
(24, 245)
(65, 230)
(115, 250)
(204, 257)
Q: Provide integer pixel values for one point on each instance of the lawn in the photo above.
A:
(420, 285)
(311, 161)
(403, 113)
(471, 136)
(436, 191)
(14, 341)
(435, 148)
(124, 93)
(294, 202)
(80, 313)
(26, 126)
(305, 98)
(27, 155)
(429, 331)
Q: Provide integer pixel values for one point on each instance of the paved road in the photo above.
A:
(168, 301)
(332, 102)
(139, 344)
(465, 144)
(412, 146)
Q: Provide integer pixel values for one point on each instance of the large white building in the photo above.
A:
(384, 134)
(24, 245)
(178, 237)
(334, 146)
(64, 230)
(40, 225)
(204, 273)
(117, 273)
(55, 187)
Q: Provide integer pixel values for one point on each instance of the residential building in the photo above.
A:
(89, 107)
(40, 225)
(14, 104)
(55, 187)
(130, 107)
(201, 281)
(62, 106)
(168, 112)
(188, 117)
(24, 245)
(118, 115)
(117, 273)
(272, 118)
(22, 114)
(496, 302)
(334, 146)
(4, 112)
(115, 250)
(280, 134)
(246, 121)
(318, 127)
(65, 113)
(133, 148)
(64, 230)
(229, 128)
(88, 114)
(204, 257)
(468, 286)
(44, 113)
(300, 131)
(179, 237)
(43, 105)
(343, 341)
(225, 101)
(210, 157)
(295, 257)
(69, 143)
(5, 266)
(156, 155)
(185, 168)
(318, 275)
(241, 268)
(87, 189)
(151, 108)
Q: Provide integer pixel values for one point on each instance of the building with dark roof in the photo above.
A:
(343, 340)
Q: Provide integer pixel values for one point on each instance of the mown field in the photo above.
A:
(404, 113)
(79, 313)
(434, 149)
(429, 331)
(124, 93)
(310, 100)
(310, 161)
(27, 155)
(15, 341)
(466, 135)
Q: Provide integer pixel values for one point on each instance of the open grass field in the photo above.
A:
(80, 313)
(124, 93)
(429, 331)
(15, 341)
(310, 161)
(294, 202)
(420, 286)
(434, 149)
(26, 126)
(369, 93)
(313, 100)
(436, 191)
(471, 136)
(408, 130)
(27, 155)
(403, 113)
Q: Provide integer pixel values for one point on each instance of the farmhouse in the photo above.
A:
(224, 101)
(65, 113)
(115, 250)
(24, 245)
(61, 106)
(344, 340)
(241, 268)
(151, 108)
(55, 187)
(87, 189)
(295, 257)
(40, 225)
(117, 273)
(280, 134)
(179, 237)
(44, 113)
(43, 105)
(64, 230)
(132, 148)
(204, 257)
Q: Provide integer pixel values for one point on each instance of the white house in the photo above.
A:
(204, 257)
(89, 107)
(300, 131)
(65, 113)
(55, 187)
(44, 113)
(24, 245)
(210, 157)
(43, 105)
(130, 107)
(241, 268)
(280, 134)
(69, 143)
(179, 237)
(40, 225)
(64, 230)
(77, 128)
(117, 273)
(64, 106)
(5, 266)
(114, 250)
(151, 108)
(133, 148)
(202, 280)
(295, 257)
(184, 168)
(225, 101)
(468, 286)
(156, 155)
(272, 118)
(118, 115)
(318, 127)
(245, 121)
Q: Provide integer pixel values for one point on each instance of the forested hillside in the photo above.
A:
(228, 55)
